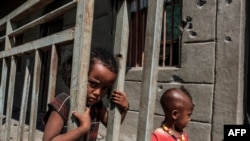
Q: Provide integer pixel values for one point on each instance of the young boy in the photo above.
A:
(177, 106)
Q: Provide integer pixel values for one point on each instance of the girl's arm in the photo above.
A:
(55, 125)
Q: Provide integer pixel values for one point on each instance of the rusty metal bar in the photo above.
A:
(2, 95)
(129, 60)
(61, 37)
(143, 33)
(137, 30)
(120, 51)
(52, 74)
(150, 70)
(10, 98)
(35, 93)
(172, 34)
(81, 55)
(132, 50)
(164, 36)
(25, 96)
(45, 18)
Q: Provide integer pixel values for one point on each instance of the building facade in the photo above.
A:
(213, 61)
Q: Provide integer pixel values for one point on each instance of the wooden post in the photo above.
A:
(120, 52)
(81, 55)
(150, 70)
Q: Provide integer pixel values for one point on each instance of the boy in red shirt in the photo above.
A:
(177, 106)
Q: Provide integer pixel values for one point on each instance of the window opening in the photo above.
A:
(46, 55)
(2, 45)
(51, 27)
(170, 42)
(7, 7)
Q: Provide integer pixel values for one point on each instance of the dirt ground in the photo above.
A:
(14, 132)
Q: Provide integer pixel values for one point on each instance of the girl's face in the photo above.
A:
(100, 81)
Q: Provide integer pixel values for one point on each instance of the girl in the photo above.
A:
(101, 77)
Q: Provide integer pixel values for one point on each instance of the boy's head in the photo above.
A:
(177, 105)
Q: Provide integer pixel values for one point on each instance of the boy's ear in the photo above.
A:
(175, 114)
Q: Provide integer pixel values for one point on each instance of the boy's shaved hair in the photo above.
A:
(173, 98)
(185, 91)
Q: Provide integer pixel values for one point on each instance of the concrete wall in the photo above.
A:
(212, 67)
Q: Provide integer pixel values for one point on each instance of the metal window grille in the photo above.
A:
(169, 48)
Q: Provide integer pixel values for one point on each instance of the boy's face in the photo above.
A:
(100, 80)
(184, 115)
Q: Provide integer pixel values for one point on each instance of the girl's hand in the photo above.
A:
(120, 98)
(84, 119)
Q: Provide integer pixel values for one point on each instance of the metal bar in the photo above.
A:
(137, 29)
(81, 55)
(129, 60)
(10, 98)
(143, 31)
(172, 34)
(132, 41)
(61, 37)
(120, 51)
(44, 18)
(35, 93)
(25, 96)
(150, 70)
(52, 74)
(2, 95)
(164, 36)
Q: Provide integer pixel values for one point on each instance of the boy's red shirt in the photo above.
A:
(160, 135)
